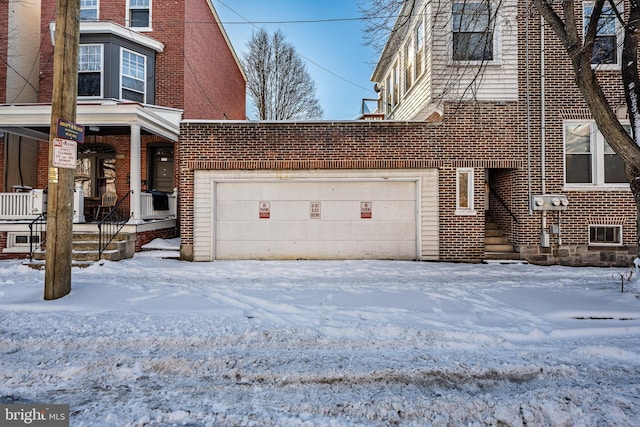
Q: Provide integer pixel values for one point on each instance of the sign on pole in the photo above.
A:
(65, 153)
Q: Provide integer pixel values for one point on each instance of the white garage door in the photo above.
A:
(315, 219)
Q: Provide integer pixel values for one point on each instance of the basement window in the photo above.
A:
(605, 235)
(18, 242)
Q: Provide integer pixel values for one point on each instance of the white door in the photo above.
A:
(315, 219)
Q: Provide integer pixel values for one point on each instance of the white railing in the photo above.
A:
(148, 212)
(22, 205)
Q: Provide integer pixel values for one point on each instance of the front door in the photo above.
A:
(161, 165)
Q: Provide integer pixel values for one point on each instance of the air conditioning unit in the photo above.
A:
(38, 202)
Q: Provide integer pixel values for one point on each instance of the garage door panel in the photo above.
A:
(258, 191)
(330, 249)
(332, 210)
(290, 232)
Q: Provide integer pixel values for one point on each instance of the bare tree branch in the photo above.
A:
(277, 79)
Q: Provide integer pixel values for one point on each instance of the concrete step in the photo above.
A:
(499, 248)
(495, 232)
(499, 256)
(496, 240)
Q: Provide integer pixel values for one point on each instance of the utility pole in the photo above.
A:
(61, 180)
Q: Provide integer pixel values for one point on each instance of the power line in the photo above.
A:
(255, 24)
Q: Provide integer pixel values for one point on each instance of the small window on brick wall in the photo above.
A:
(605, 235)
(464, 192)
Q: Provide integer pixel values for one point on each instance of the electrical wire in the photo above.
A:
(255, 24)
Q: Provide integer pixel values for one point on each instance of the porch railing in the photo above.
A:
(148, 212)
(111, 224)
(22, 205)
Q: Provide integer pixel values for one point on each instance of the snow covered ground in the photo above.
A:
(160, 342)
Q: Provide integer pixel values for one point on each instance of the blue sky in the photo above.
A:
(333, 52)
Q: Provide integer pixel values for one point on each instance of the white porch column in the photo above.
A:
(135, 171)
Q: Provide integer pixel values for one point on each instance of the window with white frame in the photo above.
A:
(473, 27)
(409, 57)
(88, 10)
(605, 235)
(20, 242)
(419, 49)
(606, 48)
(90, 70)
(139, 14)
(589, 159)
(396, 85)
(133, 78)
(388, 94)
(464, 191)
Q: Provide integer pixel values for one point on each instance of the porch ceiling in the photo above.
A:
(112, 117)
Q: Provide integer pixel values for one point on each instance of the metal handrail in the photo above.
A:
(40, 225)
(111, 224)
(504, 205)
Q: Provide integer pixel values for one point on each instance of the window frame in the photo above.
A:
(130, 9)
(493, 23)
(409, 64)
(101, 72)
(606, 226)
(597, 146)
(461, 209)
(419, 35)
(122, 75)
(92, 7)
(619, 35)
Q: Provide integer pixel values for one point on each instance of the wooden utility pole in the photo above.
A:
(61, 180)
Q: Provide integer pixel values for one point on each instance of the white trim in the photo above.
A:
(470, 208)
(596, 141)
(127, 20)
(97, 9)
(121, 75)
(619, 227)
(103, 27)
(495, 20)
(101, 95)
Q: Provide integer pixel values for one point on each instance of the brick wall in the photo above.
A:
(563, 102)
(364, 145)
(196, 71)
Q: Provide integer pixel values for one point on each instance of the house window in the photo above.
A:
(139, 13)
(388, 95)
(419, 36)
(472, 31)
(605, 235)
(589, 159)
(464, 192)
(396, 86)
(133, 76)
(605, 47)
(409, 57)
(90, 70)
(88, 10)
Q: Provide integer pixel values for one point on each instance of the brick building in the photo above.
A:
(486, 150)
(144, 66)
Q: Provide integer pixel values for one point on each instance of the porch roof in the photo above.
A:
(34, 120)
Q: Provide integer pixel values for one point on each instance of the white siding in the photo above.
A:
(445, 80)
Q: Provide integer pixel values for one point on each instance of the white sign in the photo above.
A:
(65, 153)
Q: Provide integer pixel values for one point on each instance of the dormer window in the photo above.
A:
(139, 14)
(88, 10)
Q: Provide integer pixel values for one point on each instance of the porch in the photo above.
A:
(18, 211)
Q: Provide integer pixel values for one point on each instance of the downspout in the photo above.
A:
(544, 236)
(528, 109)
